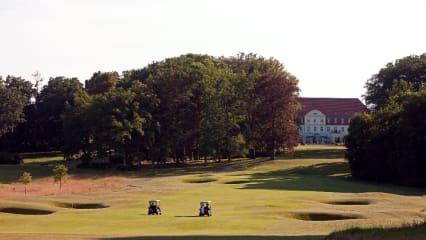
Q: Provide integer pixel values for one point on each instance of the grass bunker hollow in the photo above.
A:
(237, 182)
(201, 179)
(306, 216)
(25, 211)
(350, 202)
(79, 205)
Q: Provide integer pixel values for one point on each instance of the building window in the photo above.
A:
(328, 120)
(315, 129)
(315, 120)
(343, 129)
(335, 129)
(343, 120)
(328, 129)
(309, 120)
(322, 120)
(322, 129)
(309, 129)
(335, 120)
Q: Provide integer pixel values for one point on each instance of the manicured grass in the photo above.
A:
(42, 157)
(257, 200)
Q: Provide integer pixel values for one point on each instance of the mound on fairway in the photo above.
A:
(315, 216)
(79, 205)
(200, 179)
(350, 202)
(26, 211)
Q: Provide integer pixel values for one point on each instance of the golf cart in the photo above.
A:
(154, 207)
(205, 208)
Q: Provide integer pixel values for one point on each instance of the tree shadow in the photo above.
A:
(324, 177)
(201, 237)
(189, 216)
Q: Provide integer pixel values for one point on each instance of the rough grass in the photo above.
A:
(406, 231)
(255, 204)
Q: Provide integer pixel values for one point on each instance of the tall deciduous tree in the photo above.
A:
(275, 111)
(54, 97)
(252, 72)
(15, 94)
(119, 120)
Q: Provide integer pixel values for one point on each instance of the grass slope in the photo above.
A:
(257, 201)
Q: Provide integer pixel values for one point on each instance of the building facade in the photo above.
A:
(326, 120)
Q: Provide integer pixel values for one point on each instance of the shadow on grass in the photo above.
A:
(332, 153)
(242, 237)
(324, 177)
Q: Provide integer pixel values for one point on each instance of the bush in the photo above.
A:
(116, 159)
(10, 158)
(388, 145)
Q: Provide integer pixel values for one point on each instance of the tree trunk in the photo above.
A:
(273, 139)
(25, 189)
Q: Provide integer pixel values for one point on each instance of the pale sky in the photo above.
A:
(331, 46)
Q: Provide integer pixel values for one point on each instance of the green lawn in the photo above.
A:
(258, 200)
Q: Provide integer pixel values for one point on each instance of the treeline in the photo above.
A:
(388, 145)
(182, 108)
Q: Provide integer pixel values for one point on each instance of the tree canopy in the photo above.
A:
(411, 69)
(182, 108)
(15, 94)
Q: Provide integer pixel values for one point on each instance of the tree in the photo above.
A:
(25, 179)
(15, 94)
(221, 113)
(118, 120)
(250, 71)
(59, 172)
(178, 85)
(37, 79)
(274, 114)
(101, 82)
(51, 105)
(78, 129)
(411, 69)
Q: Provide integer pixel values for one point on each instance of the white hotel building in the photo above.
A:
(326, 120)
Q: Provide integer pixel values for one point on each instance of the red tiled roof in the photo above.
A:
(333, 107)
